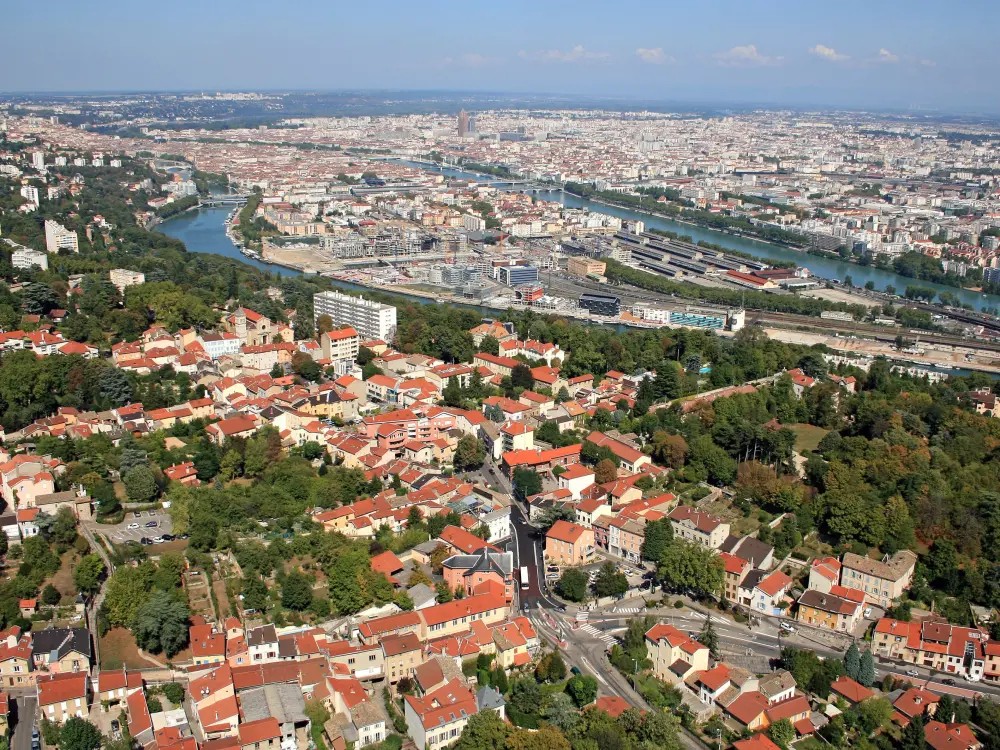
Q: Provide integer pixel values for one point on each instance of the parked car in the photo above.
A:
(152, 524)
(912, 673)
(168, 537)
(145, 540)
(136, 514)
(158, 540)
(786, 626)
(132, 526)
(868, 612)
(948, 681)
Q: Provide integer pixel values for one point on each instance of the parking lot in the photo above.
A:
(150, 524)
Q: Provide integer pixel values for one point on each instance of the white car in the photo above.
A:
(133, 526)
(158, 540)
(786, 626)
(868, 612)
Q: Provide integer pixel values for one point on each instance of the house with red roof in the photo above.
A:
(569, 543)
(914, 702)
(262, 734)
(698, 527)
(765, 592)
(540, 460)
(936, 644)
(613, 705)
(674, 654)
(630, 459)
(239, 426)
(757, 742)
(184, 473)
(61, 696)
(850, 690)
(941, 736)
(455, 616)
(436, 720)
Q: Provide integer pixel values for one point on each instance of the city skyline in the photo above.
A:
(881, 57)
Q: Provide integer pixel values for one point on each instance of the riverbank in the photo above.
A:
(766, 251)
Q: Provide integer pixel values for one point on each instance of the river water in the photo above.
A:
(203, 231)
(824, 267)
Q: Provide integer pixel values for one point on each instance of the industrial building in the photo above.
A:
(601, 304)
(579, 266)
(517, 275)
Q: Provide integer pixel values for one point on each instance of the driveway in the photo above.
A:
(21, 740)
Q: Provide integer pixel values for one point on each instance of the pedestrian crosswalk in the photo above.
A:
(627, 610)
(607, 638)
(582, 616)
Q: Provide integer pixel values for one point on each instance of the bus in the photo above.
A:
(524, 576)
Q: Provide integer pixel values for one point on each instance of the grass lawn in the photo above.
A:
(807, 436)
(118, 649)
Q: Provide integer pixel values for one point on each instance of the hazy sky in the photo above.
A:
(907, 53)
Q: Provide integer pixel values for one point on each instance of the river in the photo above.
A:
(824, 267)
(203, 231)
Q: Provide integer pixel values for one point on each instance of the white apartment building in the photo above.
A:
(24, 258)
(122, 278)
(30, 193)
(220, 344)
(372, 320)
(58, 237)
(38, 160)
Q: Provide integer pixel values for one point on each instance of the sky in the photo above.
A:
(909, 54)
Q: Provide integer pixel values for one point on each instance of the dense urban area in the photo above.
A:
(497, 429)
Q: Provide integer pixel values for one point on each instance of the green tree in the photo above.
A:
(469, 453)
(296, 591)
(852, 661)
(79, 734)
(127, 591)
(866, 669)
(692, 566)
(560, 712)
(484, 731)
(174, 692)
(669, 450)
(658, 535)
(572, 585)
(520, 376)
(610, 581)
(913, 737)
(161, 624)
(709, 638)
(551, 668)
(782, 733)
(140, 484)
(525, 696)
(254, 594)
(50, 595)
(527, 482)
(582, 689)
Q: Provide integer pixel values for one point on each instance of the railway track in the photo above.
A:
(631, 295)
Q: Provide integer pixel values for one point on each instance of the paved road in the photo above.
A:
(21, 740)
